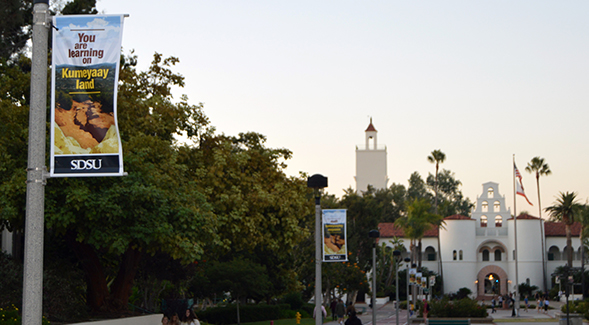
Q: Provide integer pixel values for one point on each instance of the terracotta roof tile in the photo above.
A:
(557, 229)
(457, 217)
(525, 216)
(390, 230)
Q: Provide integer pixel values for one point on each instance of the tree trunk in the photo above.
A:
(97, 288)
(569, 244)
(122, 286)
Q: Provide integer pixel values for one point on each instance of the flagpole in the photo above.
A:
(515, 239)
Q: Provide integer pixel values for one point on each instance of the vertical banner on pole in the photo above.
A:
(334, 235)
(85, 138)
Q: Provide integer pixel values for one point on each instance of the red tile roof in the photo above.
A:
(457, 217)
(389, 229)
(525, 216)
(370, 126)
(557, 229)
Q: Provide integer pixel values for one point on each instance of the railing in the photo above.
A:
(484, 231)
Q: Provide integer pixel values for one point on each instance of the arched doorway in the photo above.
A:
(492, 280)
(491, 284)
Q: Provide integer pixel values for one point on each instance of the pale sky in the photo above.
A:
(480, 80)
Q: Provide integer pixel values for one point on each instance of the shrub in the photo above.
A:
(11, 316)
(247, 313)
(294, 299)
(457, 308)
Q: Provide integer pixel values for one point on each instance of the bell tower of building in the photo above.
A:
(371, 163)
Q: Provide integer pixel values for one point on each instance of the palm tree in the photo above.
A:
(538, 166)
(438, 157)
(564, 211)
(418, 220)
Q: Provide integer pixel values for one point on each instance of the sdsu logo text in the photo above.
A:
(86, 164)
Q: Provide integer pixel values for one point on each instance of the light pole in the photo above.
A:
(317, 182)
(407, 260)
(374, 234)
(396, 257)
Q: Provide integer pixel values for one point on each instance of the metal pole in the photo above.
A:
(318, 260)
(374, 282)
(397, 289)
(35, 199)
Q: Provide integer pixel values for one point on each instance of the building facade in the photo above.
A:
(478, 252)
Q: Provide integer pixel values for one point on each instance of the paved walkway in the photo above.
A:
(385, 315)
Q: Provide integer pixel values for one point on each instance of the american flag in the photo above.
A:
(520, 185)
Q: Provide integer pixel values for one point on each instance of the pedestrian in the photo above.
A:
(540, 305)
(350, 309)
(493, 302)
(501, 301)
(332, 307)
(527, 303)
(190, 318)
(546, 304)
(340, 311)
(353, 319)
(165, 320)
(323, 313)
(426, 308)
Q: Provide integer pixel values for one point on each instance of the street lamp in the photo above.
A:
(374, 234)
(317, 182)
(396, 257)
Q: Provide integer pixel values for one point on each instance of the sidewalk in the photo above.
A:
(385, 315)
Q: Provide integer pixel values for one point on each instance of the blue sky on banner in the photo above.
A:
(481, 81)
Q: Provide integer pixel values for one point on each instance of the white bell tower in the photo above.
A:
(371, 163)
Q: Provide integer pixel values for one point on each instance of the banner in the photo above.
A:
(412, 273)
(334, 235)
(85, 138)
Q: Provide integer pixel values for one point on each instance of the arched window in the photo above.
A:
(497, 255)
(498, 221)
(485, 255)
(454, 255)
(460, 255)
(496, 206)
(483, 221)
(430, 253)
(484, 206)
(490, 193)
(553, 253)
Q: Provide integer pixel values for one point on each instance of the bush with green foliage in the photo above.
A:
(11, 316)
(294, 299)
(577, 307)
(445, 307)
(247, 313)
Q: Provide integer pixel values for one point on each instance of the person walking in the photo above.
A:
(493, 302)
(340, 311)
(332, 307)
(323, 313)
(425, 309)
(526, 303)
(353, 319)
(546, 305)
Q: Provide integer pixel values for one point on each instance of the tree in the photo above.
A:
(538, 166)
(14, 27)
(417, 188)
(450, 198)
(437, 157)
(419, 219)
(564, 211)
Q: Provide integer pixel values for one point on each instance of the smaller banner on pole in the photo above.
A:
(85, 137)
(412, 273)
(334, 235)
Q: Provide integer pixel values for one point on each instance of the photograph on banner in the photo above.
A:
(418, 278)
(412, 273)
(432, 280)
(86, 54)
(334, 235)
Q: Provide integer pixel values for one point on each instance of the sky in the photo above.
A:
(483, 81)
